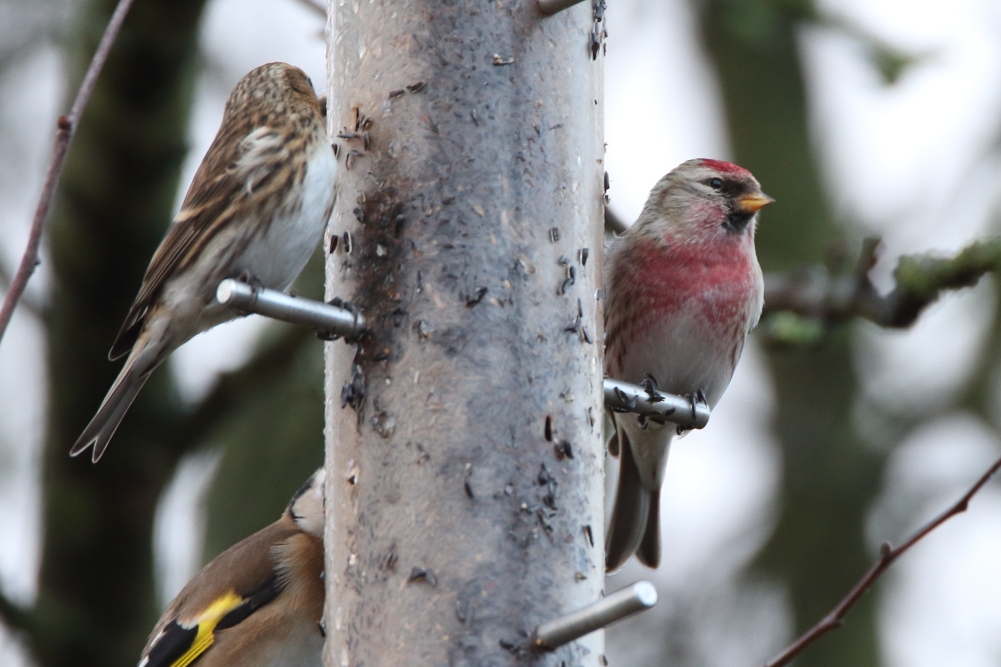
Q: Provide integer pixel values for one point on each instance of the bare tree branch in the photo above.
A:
(832, 298)
(66, 128)
(828, 298)
(887, 556)
(31, 305)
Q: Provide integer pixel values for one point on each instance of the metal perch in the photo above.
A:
(609, 609)
(686, 412)
(316, 315)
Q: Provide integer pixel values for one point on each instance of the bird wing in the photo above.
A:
(233, 166)
(227, 591)
(179, 644)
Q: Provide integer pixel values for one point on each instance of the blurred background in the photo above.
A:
(876, 117)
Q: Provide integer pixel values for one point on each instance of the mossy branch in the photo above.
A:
(801, 305)
(921, 278)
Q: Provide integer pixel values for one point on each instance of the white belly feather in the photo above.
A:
(274, 258)
(277, 257)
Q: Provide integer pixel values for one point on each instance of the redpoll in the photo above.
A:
(255, 210)
(683, 290)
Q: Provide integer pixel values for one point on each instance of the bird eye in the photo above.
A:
(716, 183)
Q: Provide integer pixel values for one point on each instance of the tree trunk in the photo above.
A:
(464, 451)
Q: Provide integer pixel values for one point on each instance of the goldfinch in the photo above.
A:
(257, 604)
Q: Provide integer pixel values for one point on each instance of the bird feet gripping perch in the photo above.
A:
(698, 397)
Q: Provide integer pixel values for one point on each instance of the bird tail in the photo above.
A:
(141, 362)
(635, 524)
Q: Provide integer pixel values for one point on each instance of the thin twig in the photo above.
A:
(887, 555)
(66, 128)
(315, 6)
(32, 306)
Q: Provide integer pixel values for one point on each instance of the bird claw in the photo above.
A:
(695, 398)
(649, 383)
(250, 279)
(247, 278)
(631, 402)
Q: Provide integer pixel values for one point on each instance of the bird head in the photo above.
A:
(270, 93)
(703, 200)
(306, 506)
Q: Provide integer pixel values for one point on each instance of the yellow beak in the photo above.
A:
(754, 202)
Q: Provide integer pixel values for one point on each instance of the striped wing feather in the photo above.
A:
(219, 191)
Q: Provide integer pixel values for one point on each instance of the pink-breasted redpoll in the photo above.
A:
(683, 289)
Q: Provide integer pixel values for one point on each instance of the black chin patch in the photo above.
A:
(736, 222)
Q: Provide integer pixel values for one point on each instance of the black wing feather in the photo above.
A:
(174, 643)
(268, 591)
(178, 640)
